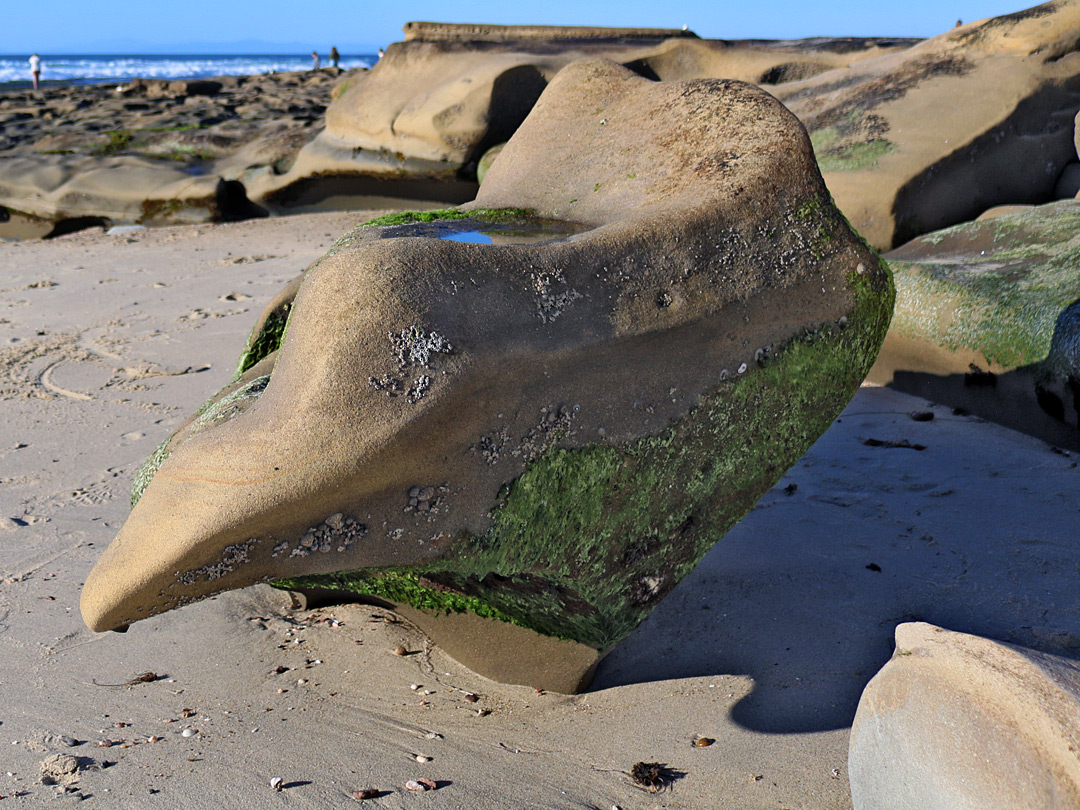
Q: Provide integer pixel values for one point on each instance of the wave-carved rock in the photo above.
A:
(924, 139)
(654, 312)
(436, 102)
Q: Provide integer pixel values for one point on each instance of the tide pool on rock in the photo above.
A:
(550, 434)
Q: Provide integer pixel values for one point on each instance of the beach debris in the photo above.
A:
(422, 758)
(189, 732)
(703, 742)
(277, 783)
(471, 698)
(421, 785)
(654, 776)
(896, 443)
(399, 650)
(922, 416)
(61, 770)
(873, 567)
(365, 793)
(142, 677)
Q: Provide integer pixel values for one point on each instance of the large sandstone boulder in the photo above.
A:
(981, 115)
(545, 430)
(437, 101)
(958, 722)
(988, 320)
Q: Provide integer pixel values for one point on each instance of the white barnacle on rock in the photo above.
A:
(231, 556)
(414, 346)
(337, 532)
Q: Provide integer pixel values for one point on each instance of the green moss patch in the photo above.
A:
(266, 341)
(484, 215)
(837, 153)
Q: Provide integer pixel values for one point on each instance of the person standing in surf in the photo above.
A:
(35, 69)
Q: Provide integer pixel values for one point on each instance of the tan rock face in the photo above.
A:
(434, 103)
(956, 721)
(923, 139)
(549, 429)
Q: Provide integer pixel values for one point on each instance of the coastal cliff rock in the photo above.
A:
(988, 320)
(955, 721)
(537, 410)
(920, 140)
(437, 101)
(408, 133)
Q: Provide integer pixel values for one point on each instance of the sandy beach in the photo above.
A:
(107, 342)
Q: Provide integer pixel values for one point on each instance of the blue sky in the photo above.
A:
(75, 26)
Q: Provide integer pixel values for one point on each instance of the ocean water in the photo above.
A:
(106, 68)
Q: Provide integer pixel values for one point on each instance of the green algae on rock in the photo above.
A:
(980, 309)
(544, 434)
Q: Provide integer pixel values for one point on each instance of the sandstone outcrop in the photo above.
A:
(923, 139)
(540, 408)
(151, 151)
(437, 101)
(409, 132)
(955, 721)
(988, 320)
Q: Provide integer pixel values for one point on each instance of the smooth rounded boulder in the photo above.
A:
(959, 722)
(540, 409)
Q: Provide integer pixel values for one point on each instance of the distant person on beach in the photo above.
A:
(335, 57)
(315, 63)
(35, 69)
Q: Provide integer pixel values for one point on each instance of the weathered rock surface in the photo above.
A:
(958, 722)
(548, 430)
(988, 320)
(979, 116)
(437, 101)
(153, 151)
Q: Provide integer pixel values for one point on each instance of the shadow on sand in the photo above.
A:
(975, 533)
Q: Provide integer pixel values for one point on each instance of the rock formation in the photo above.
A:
(413, 128)
(954, 722)
(988, 320)
(437, 101)
(979, 116)
(151, 151)
(546, 430)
